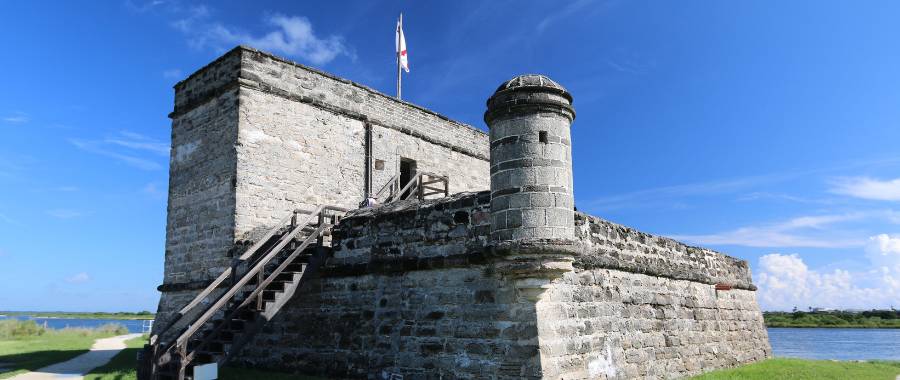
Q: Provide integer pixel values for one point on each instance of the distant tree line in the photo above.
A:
(862, 319)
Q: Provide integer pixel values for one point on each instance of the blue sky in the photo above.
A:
(766, 130)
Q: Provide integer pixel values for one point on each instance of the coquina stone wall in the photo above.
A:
(644, 306)
(410, 291)
(414, 289)
(255, 136)
(302, 141)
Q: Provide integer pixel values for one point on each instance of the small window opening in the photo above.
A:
(542, 136)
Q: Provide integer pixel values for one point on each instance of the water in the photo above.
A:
(134, 326)
(836, 344)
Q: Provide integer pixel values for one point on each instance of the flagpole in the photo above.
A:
(399, 75)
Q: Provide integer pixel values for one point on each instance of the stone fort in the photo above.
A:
(472, 263)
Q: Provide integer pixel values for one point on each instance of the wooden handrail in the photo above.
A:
(260, 287)
(181, 342)
(205, 317)
(417, 185)
(222, 277)
(389, 185)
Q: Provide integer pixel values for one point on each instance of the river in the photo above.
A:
(837, 344)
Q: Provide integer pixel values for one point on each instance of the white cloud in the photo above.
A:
(884, 252)
(804, 231)
(64, 213)
(292, 35)
(785, 282)
(78, 278)
(868, 188)
(17, 118)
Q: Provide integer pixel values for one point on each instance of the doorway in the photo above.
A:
(407, 173)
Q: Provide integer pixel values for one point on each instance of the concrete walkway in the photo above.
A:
(101, 352)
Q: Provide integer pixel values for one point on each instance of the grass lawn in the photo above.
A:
(26, 346)
(799, 369)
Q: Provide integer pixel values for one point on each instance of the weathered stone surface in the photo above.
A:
(255, 136)
(509, 283)
(531, 160)
(633, 306)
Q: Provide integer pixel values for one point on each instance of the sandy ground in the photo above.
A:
(101, 352)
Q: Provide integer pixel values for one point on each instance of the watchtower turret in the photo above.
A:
(530, 118)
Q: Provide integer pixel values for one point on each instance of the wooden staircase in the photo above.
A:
(257, 285)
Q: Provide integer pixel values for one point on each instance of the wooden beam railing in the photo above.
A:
(313, 223)
(421, 186)
(226, 274)
(388, 189)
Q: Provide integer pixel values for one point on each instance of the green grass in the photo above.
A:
(122, 366)
(800, 369)
(72, 315)
(26, 346)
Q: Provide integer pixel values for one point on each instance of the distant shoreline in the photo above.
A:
(78, 315)
(831, 327)
(869, 319)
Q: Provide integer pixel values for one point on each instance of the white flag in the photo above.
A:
(400, 43)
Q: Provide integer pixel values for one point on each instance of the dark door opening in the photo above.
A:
(407, 173)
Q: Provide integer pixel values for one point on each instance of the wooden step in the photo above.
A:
(296, 267)
(270, 295)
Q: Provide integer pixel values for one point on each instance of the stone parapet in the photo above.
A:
(416, 233)
(607, 245)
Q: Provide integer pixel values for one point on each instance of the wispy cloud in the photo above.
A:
(564, 12)
(173, 74)
(78, 278)
(139, 142)
(868, 188)
(804, 231)
(17, 118)
(63, 213)
(289, 35)
(654, 196)
(133, 143)
(141, 6)
(6, 219)
(763, 195)
(154, 190)
(630, 66)
(643, 197)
